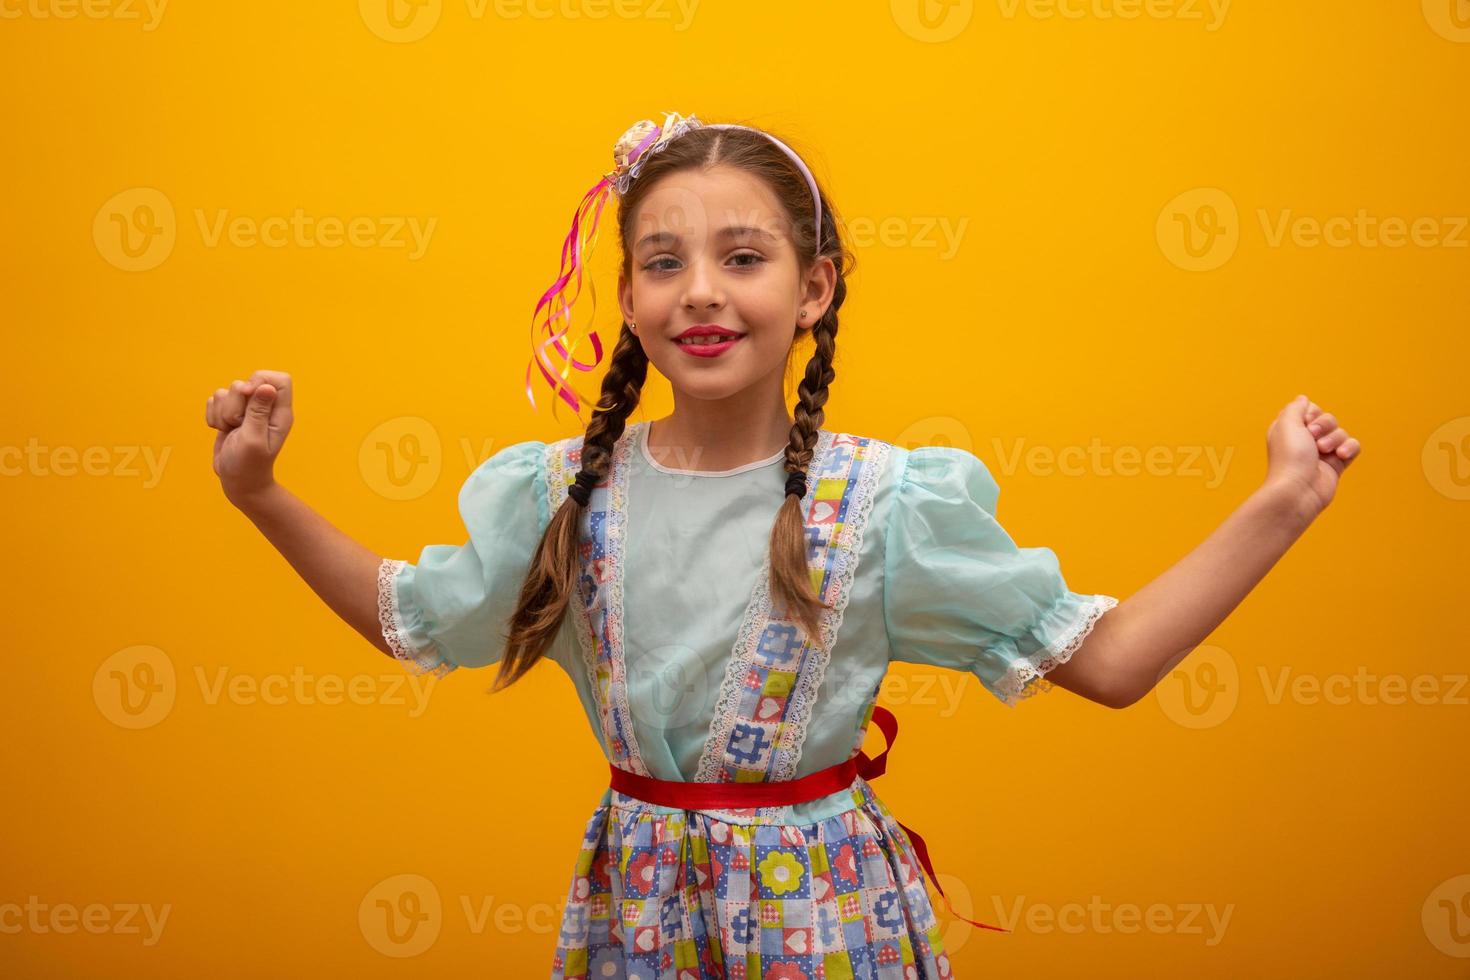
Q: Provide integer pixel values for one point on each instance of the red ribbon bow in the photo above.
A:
(718, 796)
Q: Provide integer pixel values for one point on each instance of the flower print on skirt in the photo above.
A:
(661, 894)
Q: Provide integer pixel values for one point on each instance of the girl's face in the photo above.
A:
(712, 247)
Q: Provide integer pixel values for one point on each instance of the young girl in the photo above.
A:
(727, 590)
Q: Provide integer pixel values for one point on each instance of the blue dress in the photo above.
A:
(686, 672)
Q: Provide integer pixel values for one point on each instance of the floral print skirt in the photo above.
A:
(682, 895)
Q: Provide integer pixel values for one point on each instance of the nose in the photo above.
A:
(702, 289)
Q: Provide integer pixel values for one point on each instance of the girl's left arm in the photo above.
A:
(1135, 644)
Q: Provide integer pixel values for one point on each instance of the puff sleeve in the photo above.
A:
(958, 593)
(452, 607)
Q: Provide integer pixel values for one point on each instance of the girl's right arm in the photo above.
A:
(253, 418)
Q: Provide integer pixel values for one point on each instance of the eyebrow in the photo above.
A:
(728, 232)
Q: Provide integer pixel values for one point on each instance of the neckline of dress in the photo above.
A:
(758, 609)
(642, 440)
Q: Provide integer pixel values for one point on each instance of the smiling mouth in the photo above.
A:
(708, 339)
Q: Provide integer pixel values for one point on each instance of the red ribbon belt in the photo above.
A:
(720, 796)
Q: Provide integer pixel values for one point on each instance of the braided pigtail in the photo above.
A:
(791, 580)
(552, 580)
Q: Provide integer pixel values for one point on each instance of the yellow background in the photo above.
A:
(1067, 317)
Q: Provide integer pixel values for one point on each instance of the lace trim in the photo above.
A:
(752, 624)
(809, 682)
(614, 699)
(617, 528)
(390, 619)
(1024, 678)
(556, 495)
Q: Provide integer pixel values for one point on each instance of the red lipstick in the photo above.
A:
(711, 347)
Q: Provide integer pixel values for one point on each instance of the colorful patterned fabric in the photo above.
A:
(772, 681)
(826, 888)
(685, 895)
(762, 899)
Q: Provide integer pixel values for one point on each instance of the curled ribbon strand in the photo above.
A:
(573, 265)
(629, 155)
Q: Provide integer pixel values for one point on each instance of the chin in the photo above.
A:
(709, 389)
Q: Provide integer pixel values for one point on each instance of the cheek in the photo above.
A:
(646, 301)
(772, 346)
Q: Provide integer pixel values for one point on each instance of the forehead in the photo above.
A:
(698, 203)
